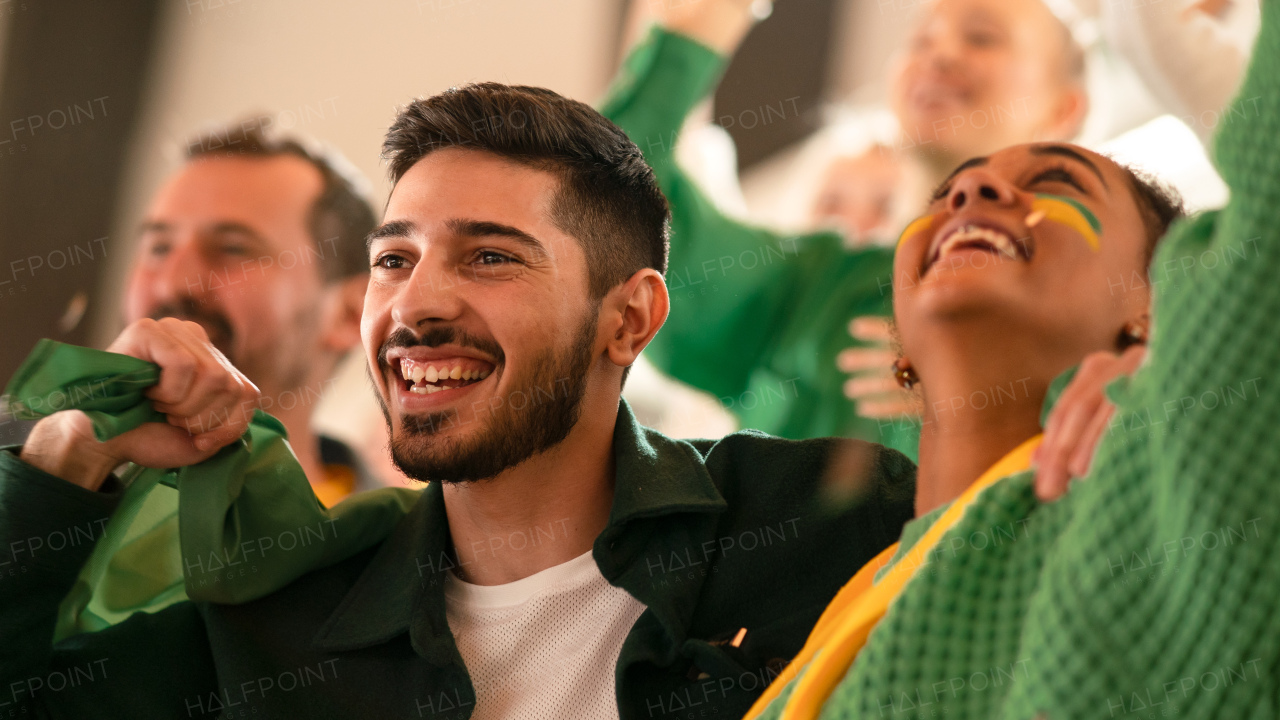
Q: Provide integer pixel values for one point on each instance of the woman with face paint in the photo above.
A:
(1000, 603)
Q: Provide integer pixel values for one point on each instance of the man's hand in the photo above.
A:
(873, 386)
(207, 401)
(1078, 420)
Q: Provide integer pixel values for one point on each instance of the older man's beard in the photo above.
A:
(536, 415)
(215, 324)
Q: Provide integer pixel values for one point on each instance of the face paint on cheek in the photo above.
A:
(1066, 211)
(918, 225)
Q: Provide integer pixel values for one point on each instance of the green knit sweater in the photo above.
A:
(1153, 588)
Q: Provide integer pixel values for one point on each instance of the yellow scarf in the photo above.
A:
(843, 628)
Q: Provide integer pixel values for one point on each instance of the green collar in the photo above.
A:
(402, 588)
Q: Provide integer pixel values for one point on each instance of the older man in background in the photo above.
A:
(260, 240)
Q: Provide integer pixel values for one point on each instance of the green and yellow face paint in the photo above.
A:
(918, 225)
(1066, 211)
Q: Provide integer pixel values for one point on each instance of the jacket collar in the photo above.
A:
(402, 588)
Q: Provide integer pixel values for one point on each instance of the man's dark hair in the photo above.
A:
(1159, 204)
(608, 198)
(340, 217)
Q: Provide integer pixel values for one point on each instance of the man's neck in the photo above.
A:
(975, 413)
(539, 514)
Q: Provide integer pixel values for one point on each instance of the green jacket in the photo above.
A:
(757, 318)
(1151, 589)
(712, 536)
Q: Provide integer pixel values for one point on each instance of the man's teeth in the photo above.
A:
(430, 374)
(970, 233)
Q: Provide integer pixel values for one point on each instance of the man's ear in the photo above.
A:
(635, 310)
(340, 318)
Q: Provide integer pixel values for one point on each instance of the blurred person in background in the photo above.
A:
(260, 240)
(760, 317)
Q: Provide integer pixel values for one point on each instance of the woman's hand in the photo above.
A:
(1079, 419)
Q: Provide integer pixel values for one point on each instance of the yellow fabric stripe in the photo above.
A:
(1067, 214)
(839, 635)
(860, 583)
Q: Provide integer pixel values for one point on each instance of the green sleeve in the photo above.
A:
(1163, 588)
(147, 664)
(756, 317)
(241, 525)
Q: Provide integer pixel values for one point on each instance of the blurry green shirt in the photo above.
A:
(757, 317)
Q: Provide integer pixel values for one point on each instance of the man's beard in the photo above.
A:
(215, 324)
(536, 415)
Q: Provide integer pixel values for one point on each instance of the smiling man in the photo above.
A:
(561, 561)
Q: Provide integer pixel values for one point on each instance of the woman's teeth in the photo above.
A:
(973, 234)
(422, 378)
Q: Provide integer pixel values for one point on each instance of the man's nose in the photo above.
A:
(182, 273)
(432, 294)
(979, 185)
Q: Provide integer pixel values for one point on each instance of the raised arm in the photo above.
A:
(737, 291)
(1166, 579)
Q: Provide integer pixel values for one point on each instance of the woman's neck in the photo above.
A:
(974, 414)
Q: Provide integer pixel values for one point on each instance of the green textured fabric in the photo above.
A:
(108, 387)
(757, 318)
(227, 513)
(1152, 588)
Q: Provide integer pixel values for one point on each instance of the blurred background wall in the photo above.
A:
(97, 101)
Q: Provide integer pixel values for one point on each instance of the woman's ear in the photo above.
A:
(340, 318)
(636, 310)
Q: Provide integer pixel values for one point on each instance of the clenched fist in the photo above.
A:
(207, 401)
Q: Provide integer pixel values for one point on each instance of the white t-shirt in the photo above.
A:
(545, 646)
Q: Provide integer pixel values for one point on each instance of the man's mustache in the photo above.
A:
(214, 322)
(437, 336)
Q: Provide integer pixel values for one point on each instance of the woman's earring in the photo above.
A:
(905, 374)
(1133, 333)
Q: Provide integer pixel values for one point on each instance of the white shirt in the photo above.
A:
(545, 646)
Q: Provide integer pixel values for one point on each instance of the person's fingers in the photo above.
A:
(1087, 445)
(864, 386)
(860, 359)
(871, 328)
(1052, 473)
(1071, 415)
(154, 341)
(1082, 457)
(887, 409)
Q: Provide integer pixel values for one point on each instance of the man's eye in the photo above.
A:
(234, 249)
(158, 250)
(491, 258)
(390, 262)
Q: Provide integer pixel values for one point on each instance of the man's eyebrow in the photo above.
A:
(395, 228)
(1064, 151)
(235, 228)
(229, 227)
(479, 228)
(970, 163)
